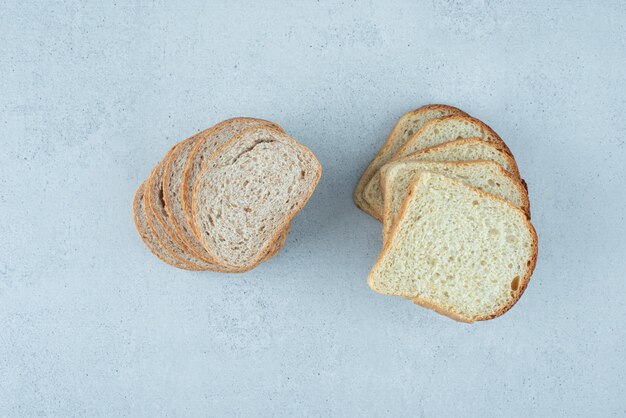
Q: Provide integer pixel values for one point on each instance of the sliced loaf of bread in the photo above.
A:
(470, 149)
(433, 133)
(174, 189)
(487, 176)
(457, 250)
(407, 125)
(249, 192)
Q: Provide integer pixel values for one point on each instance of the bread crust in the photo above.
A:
(531, 263)
(147, 236)
(288, 219)
(465, 118)
(506, 154)
(376, 163)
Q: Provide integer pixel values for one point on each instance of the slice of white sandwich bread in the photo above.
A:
(487, 176)
(249, 192)
(407, 125)
(435, 132)
(468, 149)
(457, 250)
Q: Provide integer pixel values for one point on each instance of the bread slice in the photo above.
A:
(457, 250)
(487, 176)
(141, 224)
(434, 132)
(205, 148)
(407, 125)
(470, 149)
(250, 191)
(174, 190)
(160, 225)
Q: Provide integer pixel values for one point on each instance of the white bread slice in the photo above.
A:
(407, 125)
(141, 224)
(457, 250)
(487, 176)
(469, 149)
(435, 132)
(249, 192)
(174, 190)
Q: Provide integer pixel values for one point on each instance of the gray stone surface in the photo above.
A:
(92, 95)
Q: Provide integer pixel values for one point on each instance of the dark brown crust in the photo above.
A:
(146, 233)
(272, 242)
(419, 301)
(372, 167)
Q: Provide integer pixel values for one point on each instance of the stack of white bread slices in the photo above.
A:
(223, 200)
(457, 236)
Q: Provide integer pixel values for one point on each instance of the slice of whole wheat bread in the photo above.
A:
(435, 132)
(250, 191)
(204, 149)
(174, 190)
(469, 149)
(407, 125)
(457, 250)
(141, 224)
(487, 176)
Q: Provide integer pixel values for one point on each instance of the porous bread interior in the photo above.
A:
(487, 176)
(407, 125)
(456, 249)
(251, 190)
(435, 132)
(204, 150)
(172, 194)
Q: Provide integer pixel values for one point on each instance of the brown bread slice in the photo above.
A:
(250, 191)
(174, 189)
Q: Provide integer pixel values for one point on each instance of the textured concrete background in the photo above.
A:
(92, 95)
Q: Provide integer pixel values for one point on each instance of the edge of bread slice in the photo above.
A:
(487, 176)
(434, 132)
(147, 236)
(468, 149)
(407, 125)
(457, 250)
(250, 191)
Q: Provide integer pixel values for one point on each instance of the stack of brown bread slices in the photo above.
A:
(457, 236)
(223, 200)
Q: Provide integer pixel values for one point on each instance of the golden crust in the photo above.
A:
(420, 301)
(483, 126)
(376, 162)
(272, 242)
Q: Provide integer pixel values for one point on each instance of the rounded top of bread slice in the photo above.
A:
(407, 125)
